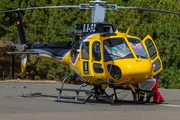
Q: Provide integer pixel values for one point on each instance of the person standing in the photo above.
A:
(157, 98)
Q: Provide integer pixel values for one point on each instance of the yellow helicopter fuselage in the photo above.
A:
(98, 71)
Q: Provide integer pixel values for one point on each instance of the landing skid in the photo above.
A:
(152, 93)
(89, 92)
(76, 100)
(99, 94)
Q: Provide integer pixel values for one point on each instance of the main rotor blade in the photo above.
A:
(67, 6)
(12, 53)
(147, 9)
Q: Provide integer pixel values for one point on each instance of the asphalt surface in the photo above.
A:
(36, 101)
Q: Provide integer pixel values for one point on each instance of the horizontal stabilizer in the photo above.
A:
(19, 47)
(23, 53)
(10, 43)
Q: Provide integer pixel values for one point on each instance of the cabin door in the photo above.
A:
(85, 60)
(153, 54)
(97, 62)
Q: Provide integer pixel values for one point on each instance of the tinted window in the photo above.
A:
(116, 48)
(151, 49)
(96, 51)
(85, 50)
(138, 48)
(158, 65)
(97, 68)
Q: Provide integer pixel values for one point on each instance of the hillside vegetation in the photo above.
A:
(48, 25)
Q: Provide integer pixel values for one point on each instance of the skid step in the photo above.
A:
(68, 89)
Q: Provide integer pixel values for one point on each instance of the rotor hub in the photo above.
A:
(97, 2)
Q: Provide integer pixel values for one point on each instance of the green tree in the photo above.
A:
(48, 25)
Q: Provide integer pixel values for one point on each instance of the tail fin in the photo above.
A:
(21, 34)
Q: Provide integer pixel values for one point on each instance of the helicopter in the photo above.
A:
(99, 55)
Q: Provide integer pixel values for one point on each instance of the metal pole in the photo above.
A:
(12, 66)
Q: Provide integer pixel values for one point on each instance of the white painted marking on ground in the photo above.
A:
(170, 105)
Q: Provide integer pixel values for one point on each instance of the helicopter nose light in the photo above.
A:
(114, 71)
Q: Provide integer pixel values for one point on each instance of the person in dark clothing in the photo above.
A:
(142, 94)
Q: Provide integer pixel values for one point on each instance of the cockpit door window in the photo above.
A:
(96, 61)
(153, 54)
(96, 51)
(85, 50)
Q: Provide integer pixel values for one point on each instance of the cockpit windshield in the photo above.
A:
(138, 48)
(117, 48)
